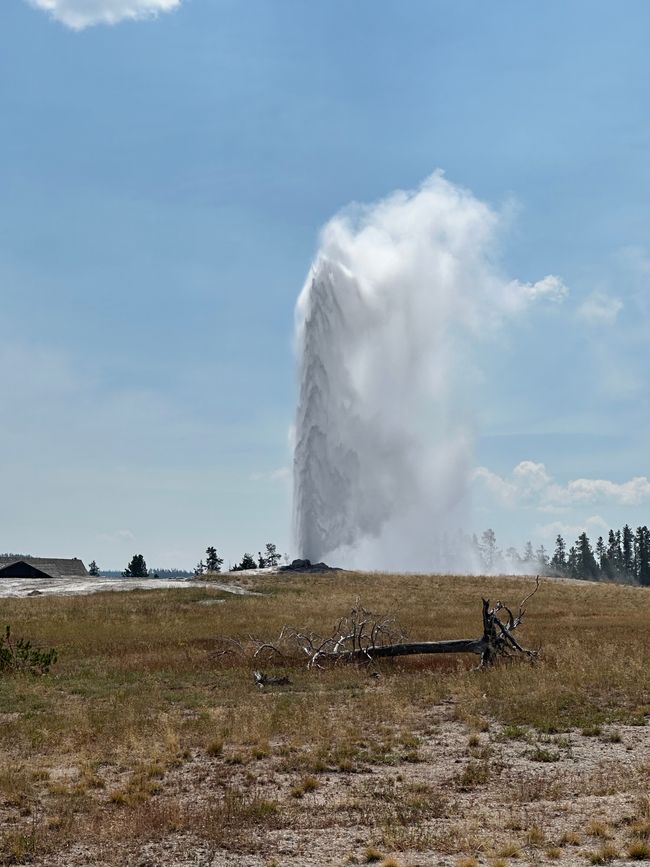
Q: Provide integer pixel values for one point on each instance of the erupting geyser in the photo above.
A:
(399, 293)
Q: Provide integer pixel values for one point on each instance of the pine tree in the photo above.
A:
(586, 562)
(512, 556)
(93, 569)
(199, 569)
(619, 550)
(271, 554)
(247, 562)
(488, 549)
(529, 554)
(542, 559)
(613, 555)
(572, 563)
(558, 561)
(137, 568)
(642, 555)
(627, 556)
(213, 562)
(601, 555)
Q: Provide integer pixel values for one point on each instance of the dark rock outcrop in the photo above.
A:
(307, 566)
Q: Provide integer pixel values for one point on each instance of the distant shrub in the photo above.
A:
(20, 655)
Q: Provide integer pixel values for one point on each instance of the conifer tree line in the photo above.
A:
(270, 557)
(213, 562)
(624, 557)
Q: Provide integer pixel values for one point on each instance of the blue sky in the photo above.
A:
(163, 180)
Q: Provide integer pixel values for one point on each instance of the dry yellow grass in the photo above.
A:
(639, 850)
(509, 849)
(570, 838)
(598, 828)
(138, 692)
(604, 855)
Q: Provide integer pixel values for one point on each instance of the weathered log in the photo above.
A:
(497, 640)
(364, 637)
(412, 648)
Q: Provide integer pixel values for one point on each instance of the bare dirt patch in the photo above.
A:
(495, 794)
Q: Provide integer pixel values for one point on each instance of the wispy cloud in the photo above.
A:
(279, 474)
(117, 536)
(600, 309)
(530, 484)
(79, 14)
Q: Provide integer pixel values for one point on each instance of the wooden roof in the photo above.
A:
(55, 567)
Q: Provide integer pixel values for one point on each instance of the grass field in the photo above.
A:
(145, 746)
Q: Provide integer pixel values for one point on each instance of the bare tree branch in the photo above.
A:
(363, 637)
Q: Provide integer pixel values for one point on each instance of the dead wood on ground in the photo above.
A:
(362, 636)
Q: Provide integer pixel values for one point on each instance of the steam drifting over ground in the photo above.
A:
(397, 297)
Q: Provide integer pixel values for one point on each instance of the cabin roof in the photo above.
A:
(55, 567)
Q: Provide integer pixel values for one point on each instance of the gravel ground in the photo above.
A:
(494, 794)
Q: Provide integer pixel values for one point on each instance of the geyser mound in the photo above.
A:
(398, 296)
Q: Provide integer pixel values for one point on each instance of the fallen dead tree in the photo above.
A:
(362, 636)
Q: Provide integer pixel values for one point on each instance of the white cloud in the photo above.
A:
(550, 288)
(594, 526)
(498, 487)
(79, 14)
(633, 492)
(600, 309)
(530, 484)
(531, 478)
(518, 296)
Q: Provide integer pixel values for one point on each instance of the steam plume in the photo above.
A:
(396, 296)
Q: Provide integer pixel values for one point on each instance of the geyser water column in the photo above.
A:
(326, 463)
(397, 296)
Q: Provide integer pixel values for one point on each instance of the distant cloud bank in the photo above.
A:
(531, 484)
(79, 14)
